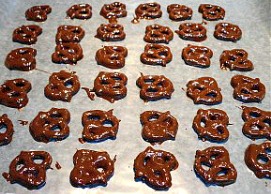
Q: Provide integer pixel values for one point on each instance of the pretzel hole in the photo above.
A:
(214, 156)
(146, 160)
(68, 84)
(212, 95)
(100, 170)
(55, 128)
(56, 115)
(84, 11)
(267, 121)
(23, 52)
(268, 150)
(3, 128)
(155, 35)
(220, 129)
(157, 173)
(163, 54)
(214, 117)
(20, 84)
(256, 127)
(254, 114)
(152, 90)
(104, 82)
(38, 159)
(203, 122)
(232, 58)
(153, 117)
(245, 91)
(255, 88)
(20, 164)
(76, 31)
(223, 172)
(262, 159)
(116, 78)
(15, 94)
(206, 166)
(107, 123)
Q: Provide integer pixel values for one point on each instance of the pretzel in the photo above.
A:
(6, 136)
(192, 31)
(148, 11)
(38, 13)
(27, 171)
(153, 168)
(258, 159)
(22, 59)
(158, 126)
(220, 171)
(111, 32)
(228, 32)
(236, 59)
(204, 90)
(26, 34)
(111, 56)
(68, 53)
(212, 12)
(247, 89)
(197, 56)
(67, 33)
(91, 168)
(257, 123)
(154, 87)
(156, 54)
(80, 11)
(113, 10)
(211, 125)
(179, 12)
(13, 93)
(110, 86)
(156, 33)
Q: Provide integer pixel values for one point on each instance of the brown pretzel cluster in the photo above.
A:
(91, 168)
(6, 124)
(236, 59)
(204, 90)
(153, 168)
(110, 86)
(38, 13)
(80, 11)
(111, 32)
(113, 10)
(179, 12)
(62, 85)
(211, 125)
(29, 169)
(148, 11)
(158, 34)
(258, 159)
(247, 89)
(13, 93)
(26, 34)
(22, 59)
(156, 54)
(67, 33)
(158, 126)
(257, 123)
(212, 12)
(197, 56)
(228, 32)
(192, 31)
(99, 125)
(51, 125)
(111, 56)
(154, 87)
(213, 166)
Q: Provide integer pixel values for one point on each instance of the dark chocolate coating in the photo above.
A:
(158, 126)
(192, 31)
(22, 59)
(156, 33)
(153, 168)
(111, 32)
(26, 34)
(87, 168)
(228, 32)
(247, 89)
(212, 12)
(148, 11)
(68, 33)
(221, 171)
(38, 13)
(113, 10)
(13, 93)
(211, 125)
(6, 136)
(179, 12)
(80, 11)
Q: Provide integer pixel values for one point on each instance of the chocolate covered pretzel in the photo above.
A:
(236, 59)
(99, 125)
(258, 159)
(111, 56)
(26, 34)
(214, 167)
(62, 85)
(13, 93)
(156, 54)
(179, 12)
(111, 32)
(113, 10)
(68, 33)
(257, 123)
(154, 87)
(204, 90)
(197, 56)
(158, 126)
(22, 59)
(51, 125)
(29, 169)
(212, 12)
(38, 13)
(148, 11)
(91, 168)
(6, 135)
(153, 168)
(156, 33)
(192, 31)
(228, 32)
(211, 125)
(80, 11)
(247, 89)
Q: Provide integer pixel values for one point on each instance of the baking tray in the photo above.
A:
(253, 18)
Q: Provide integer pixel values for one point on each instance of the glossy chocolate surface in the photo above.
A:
(192, 31)
(26, 34)
(111, 32)
(179, 12)
(228, 32)
(38, 13)
(6, 130)
(113, 10)
(212, 12)
(148, 11)
(156, 33)
(80, 11)
(68, 33)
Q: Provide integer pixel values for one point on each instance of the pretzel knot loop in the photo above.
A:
(113, 10)
(111, 32)
(228, 32)
(68, 33)
(212, 12)
(192, 31)
(148, 11)
(80, 11)
(179, 12)
(158, 34)
(27, 34)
